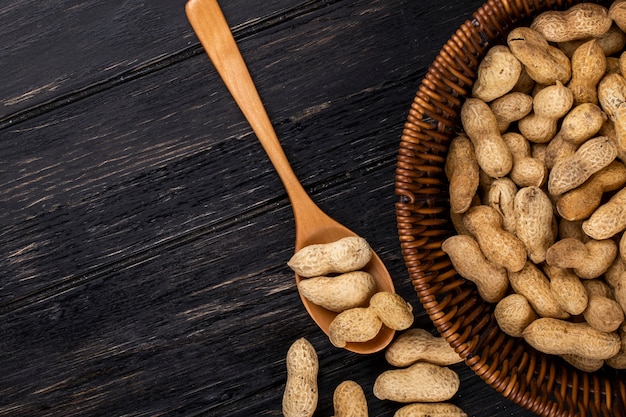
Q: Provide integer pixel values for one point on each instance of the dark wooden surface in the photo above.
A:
(143, 232)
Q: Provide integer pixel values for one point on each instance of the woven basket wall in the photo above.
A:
(544, 384)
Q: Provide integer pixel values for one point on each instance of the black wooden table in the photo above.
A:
(144, 233)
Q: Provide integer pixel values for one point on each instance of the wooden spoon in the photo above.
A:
(312, 224)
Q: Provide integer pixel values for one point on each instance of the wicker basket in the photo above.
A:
(544, 384)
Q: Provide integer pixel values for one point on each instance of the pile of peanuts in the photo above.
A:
(538, 184)
(362, 310)
(332, 277)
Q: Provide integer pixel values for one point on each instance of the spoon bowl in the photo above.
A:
(311, 223)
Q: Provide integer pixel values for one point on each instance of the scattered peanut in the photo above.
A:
(617, 12)
(301, 391)
(415, 345)
(349, 400)
(583, 122)
(430, 410)
(420, 382)
(612, 96)
(603, 313)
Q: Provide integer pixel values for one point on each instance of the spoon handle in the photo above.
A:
(210, 26)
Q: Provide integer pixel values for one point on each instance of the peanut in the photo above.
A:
(526, 170)
(580, 21)
(616, 278)
(420, 382)
(582, 363)
(588, 68)
(430, 410)
(358, 324)
(581, 123)
(560, 337)
(501, 197)
(549, 105)
(581, 202)
(510, 108)
(619, 361)
(457, 218)
(344, 255)
(468, 260)
(612, 99)
(612, 42)
(535, 287)
(603, 313)
(609, 219)
(544, 63)
(461, 168)
(497, 74)
(415, 345)
(567, 289)
(533, 211)
(588, 260)
(301, 391)
(572, 171)
(498, 245)
(617, 12)
(513, 314)
(392, 310)
(348, 290)
(349, 400)
(481, 127)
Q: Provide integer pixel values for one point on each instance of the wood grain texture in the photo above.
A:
(143, 232)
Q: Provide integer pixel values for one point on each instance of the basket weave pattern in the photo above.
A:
(544, 384)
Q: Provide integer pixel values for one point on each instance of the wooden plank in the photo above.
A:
(118, 159)
(187, 332)
(60, 48)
